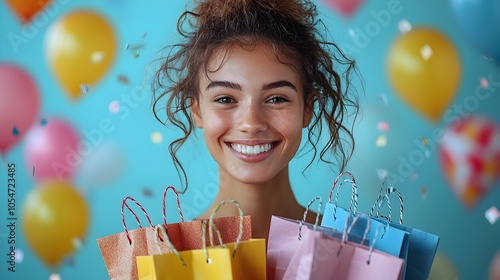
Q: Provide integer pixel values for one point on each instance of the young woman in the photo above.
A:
(252, 74)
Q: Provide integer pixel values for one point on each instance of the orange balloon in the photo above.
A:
(425, 70)
(26, 9)
(54, 220)
(80, 48)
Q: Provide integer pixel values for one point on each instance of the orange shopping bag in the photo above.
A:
(119, 250)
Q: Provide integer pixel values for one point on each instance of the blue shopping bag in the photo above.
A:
(391, 240)
(422, 245)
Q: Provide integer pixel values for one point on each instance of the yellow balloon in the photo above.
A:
(425, 70)
(80, 48)
(442, 268)
(54, 220)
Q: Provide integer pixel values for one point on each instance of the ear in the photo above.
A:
(196, 114)
(308, 111)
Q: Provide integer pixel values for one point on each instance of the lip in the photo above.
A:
(252, 158)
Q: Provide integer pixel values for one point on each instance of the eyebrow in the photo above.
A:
(230, 85)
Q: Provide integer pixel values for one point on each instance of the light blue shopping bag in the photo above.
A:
(391, 240)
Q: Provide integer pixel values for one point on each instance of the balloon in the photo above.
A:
(480, 23)
(54, 220)
(345, 7)
(469, 155)
(80, 48)
(52, 150)
(442, 268)
(103, 165)
(495, 267)
(18, 107)
(424, 68)
(380, 142)
(26, 9)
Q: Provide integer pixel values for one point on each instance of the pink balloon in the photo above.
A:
(345, 7)
(19, 104)
(52, 150)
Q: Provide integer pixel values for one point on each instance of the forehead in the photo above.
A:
(245, 54)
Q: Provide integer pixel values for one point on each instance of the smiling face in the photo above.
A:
(251, 110)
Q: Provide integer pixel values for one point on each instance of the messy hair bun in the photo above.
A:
(292, 29)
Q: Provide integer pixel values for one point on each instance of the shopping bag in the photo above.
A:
(285, 237)
(119, 250)
(318, 256)
(235, 260)
(326, 257)
(206, 263)
(422, 245)
(393, 241)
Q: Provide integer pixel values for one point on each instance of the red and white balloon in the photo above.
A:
(470, 157)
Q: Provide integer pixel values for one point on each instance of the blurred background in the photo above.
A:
(77, 133)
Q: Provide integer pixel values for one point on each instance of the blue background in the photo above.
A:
(468, 240)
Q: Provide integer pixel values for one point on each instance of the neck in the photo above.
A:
(260, 201)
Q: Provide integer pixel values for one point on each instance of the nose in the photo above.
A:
(252, 119)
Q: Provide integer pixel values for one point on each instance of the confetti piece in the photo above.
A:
(424, 141)
(144, 35)
(69, 260)
(426, 52)
(55, 276)
(352, 33)
(383, 98)
(414, 176)
(156, 137)
(136, 54)
(43, 122)
(423, 191)
(15, 131)
(77, 242)
(484, 83)
(33, 170)
(382, 174)
(147, 192)
(97, 57)
(381, 141)
(123, 79)
(383, 126)
(19, 255)
(492, 214)
(404, 26)
(84, 88)
(114, 106)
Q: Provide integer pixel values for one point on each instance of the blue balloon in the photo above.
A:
(480, 22)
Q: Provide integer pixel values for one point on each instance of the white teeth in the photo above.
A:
(251, 150)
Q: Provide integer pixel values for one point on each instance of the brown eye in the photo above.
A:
(277, 99)
(224, 100)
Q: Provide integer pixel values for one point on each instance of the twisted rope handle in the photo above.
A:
(178, 203)
(211, 224)
(124, 204)
(160, 229)
(381, 199)
(305, 215)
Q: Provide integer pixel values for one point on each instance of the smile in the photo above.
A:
(252, 150)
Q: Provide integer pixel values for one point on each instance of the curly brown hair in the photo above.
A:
(292, 29)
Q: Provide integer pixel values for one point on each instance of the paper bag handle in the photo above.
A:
(124, 204)
(305, 215)
(160, 229)
(178, 203)
(380, 201)
(211, 224)
(353, 203)
(347, 230)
